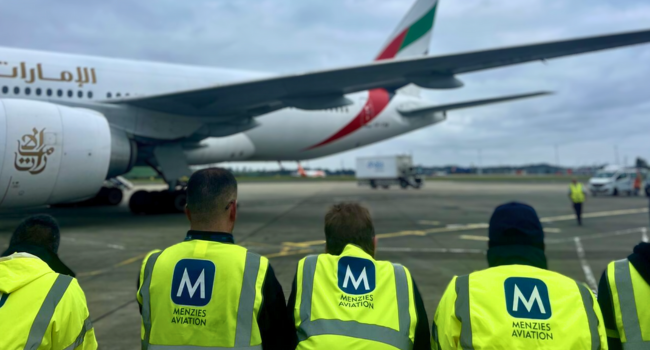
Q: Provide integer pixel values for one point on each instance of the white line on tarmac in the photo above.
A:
(591, 280)
(432, 250)
(644, 235)
(594, 236)
(84, 241)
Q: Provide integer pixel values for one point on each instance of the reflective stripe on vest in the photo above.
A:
(244, 312)
(308, 328)
(88, 325)
(44, 316)
(627, 303)
(463, 313)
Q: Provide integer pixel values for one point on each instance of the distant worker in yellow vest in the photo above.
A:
(39, 308)
(345, 299)
(517, 303)
(624, 297)
(207, 292)
(577, 196)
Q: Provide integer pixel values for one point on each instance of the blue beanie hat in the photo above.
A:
(515, 224)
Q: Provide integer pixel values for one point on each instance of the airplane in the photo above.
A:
(301, 172)
(71, 121)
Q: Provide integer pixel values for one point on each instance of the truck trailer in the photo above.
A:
(386, 171)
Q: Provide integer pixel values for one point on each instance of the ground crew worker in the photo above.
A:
(207, 292)
(345, 299)
(39, 308)
(40, 225)
(623, 295)
(516, 303)
(577, 196)
(637, 182)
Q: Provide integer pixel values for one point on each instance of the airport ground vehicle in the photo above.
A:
(386, 171)
(614, 180)
(71, 121)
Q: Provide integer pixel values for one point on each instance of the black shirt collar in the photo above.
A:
(221, 237)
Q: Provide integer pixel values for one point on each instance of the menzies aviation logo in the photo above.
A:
(356, 276)
(527, 298)
(193, 282)
(32, 152)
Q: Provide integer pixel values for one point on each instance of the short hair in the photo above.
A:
(209, 192)
(40, 230)
(349, 223)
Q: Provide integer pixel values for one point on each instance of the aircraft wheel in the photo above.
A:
(140, 202)
(114, 196)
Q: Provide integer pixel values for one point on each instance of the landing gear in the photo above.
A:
(160, 202)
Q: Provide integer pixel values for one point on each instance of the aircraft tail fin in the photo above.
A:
(413, 34)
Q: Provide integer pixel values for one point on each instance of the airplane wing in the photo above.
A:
(417, 110)
(326, 89)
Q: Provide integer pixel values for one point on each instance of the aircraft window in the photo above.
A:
(59, 92)
(80, 94)
(118, 94)
(16, 90)
(49, 92)
(90, 94)
(127, 94)
(28, 91)
(70, 93)
(108, 94)
(5, 89)
(38, 91)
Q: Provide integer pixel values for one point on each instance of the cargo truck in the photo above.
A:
(386, 171)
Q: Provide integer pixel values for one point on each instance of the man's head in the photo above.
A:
(39, 230)
(574, 180)
(212, 200)
(515, 231)
(349, 223)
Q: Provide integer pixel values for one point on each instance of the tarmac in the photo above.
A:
(437, 232)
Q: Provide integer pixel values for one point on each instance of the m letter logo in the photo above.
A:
(192, 282)
(527, 298)
(356, 276)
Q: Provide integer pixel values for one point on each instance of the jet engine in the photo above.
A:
(52, 154)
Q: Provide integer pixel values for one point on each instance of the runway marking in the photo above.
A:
(596, 214)
(84, 241)
(594, 236)
(589, 274)
(644, 235)
(113, 267)
(475, 238)
(429, 222)
(552, 230)
(432, 250)
(458, 228)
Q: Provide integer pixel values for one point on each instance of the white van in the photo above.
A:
(613, 180)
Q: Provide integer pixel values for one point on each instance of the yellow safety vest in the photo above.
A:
(352, 301)
(577, 196)
(631, 300)
(201, 294)
(518, 307)
(41, 309)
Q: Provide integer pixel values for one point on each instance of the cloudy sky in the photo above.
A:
(601, 101)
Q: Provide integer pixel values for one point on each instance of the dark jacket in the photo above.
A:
(274, 330)
(640, 259)
(45, 254)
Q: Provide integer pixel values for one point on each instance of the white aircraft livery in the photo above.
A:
(69, 122)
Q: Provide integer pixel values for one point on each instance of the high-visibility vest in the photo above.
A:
(518, 307)
(577, 196)
(352, 301)
(47, 312)
(631, 300)
(201, 294)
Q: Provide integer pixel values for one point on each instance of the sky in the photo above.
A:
(600, 107)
